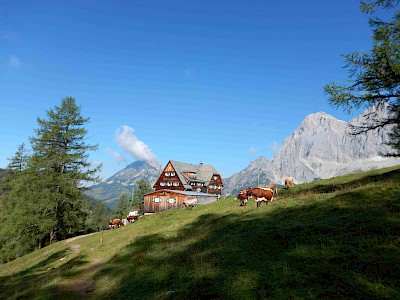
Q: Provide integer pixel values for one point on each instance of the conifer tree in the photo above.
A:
(19, 161)
(374, 78)
(60, 163)
(43, 196)
(142, 188)
(98, 216)
(122, 207)
(22, 224)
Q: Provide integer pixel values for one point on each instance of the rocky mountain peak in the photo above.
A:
(124, 181)
(319, 122)
(321, 147)
(139, 164)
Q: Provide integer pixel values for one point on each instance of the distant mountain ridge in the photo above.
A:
(321, 147)
(124, 181)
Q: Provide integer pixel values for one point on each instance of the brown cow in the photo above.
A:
(132, 218)
(273, 187)
(116, 223)
(242, 196)
(261, 194)
(289, 182)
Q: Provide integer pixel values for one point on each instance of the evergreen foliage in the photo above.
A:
(98, 215)
(43, 198)
(20, 160)
(374, 78)
(122, 207)
(142, 188)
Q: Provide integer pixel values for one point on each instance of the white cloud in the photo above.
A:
(117, 156)
(130, 143)
(14, 62)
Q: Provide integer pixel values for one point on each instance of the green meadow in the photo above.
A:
(330, 239)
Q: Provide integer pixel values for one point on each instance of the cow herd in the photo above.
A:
(117, 223)
(262, 194)
(259, 194)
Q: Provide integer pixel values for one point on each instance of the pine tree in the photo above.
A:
(374, 78)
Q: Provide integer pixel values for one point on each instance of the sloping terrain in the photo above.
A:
(330, 239)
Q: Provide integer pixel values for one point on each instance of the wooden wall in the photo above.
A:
(161, 200)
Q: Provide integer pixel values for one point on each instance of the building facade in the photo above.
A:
(182, 181)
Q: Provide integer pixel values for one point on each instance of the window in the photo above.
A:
(162, 183)
(171, 200)
(198, 190)
(167, 174)
(172, 173)
(169, 183)
(156, 199)
(176, 183)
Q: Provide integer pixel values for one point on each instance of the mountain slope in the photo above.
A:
(124, 181)
(331, 239)
(258, 171)
(321, 147)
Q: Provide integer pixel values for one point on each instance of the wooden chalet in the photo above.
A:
(182, 181)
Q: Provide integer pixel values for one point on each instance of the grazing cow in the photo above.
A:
(261, 194)
(289, 182)
(242, 196)
(116, 223)
(190, 202)
(273, 187)
(132, 218)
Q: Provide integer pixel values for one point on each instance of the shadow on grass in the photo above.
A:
(319, 251)
(346, 247)
(31, 282)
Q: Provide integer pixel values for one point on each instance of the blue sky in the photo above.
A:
(221, 82)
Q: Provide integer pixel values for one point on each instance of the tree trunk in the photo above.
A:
(53, 237)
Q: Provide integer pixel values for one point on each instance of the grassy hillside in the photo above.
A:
(330, 239)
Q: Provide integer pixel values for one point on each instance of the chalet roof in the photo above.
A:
(203, 172)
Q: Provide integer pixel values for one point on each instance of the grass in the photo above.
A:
(331, 239)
